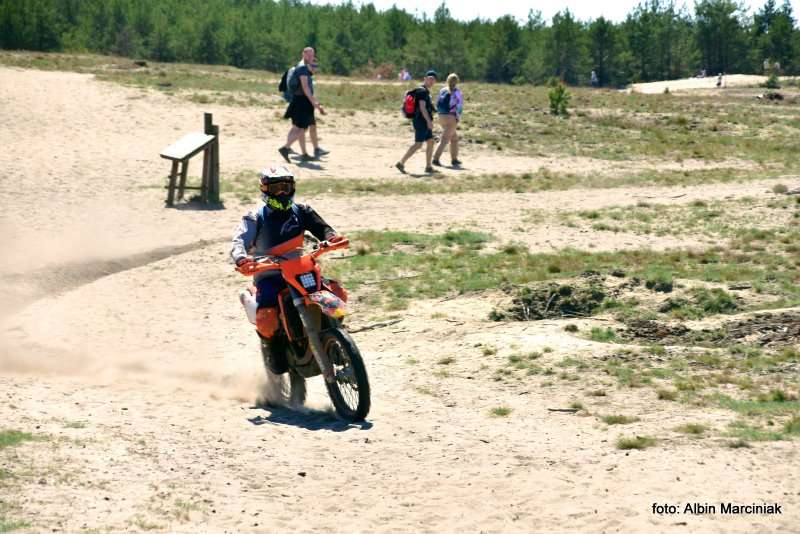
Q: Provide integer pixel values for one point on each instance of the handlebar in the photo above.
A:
(267, 263)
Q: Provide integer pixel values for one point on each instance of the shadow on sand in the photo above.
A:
(307, 418)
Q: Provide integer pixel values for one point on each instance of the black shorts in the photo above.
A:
(301, 111)
(421, 131)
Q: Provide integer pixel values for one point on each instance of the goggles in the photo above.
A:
(277, 186)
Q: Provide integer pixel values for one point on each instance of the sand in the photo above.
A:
(123, 341)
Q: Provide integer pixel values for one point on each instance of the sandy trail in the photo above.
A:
(144, 371)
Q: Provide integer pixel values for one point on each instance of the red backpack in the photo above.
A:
(409, 104)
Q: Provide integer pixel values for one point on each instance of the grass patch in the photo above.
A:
(792, 426)
(746, 432)
(618, 419)
(758, 407)
(667, 394)
(500, 411)
(75, 424)
(605, 335)
(7, 523)
(144, 524)
(447, 360)
(637, 442)
(457, 261)
(694, 429)
(12, 438)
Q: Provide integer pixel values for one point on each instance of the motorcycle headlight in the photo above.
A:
(307, 280)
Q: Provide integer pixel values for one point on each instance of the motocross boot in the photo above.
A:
(273, 353)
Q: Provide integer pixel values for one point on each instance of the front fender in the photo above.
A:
(329, 303)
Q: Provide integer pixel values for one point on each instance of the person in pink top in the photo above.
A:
(449, 106)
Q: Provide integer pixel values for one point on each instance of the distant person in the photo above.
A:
(423, 123)
(401, 76)
(594, 81)
(406, 75)
(449, 106)
(719, 80)
(301, 108)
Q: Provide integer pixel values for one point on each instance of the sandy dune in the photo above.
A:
(122, 339)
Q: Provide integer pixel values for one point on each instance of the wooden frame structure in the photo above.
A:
(182, 150)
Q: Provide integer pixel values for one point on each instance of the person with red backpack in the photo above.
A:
(420, 100)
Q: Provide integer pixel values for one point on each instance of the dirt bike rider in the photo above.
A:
(276, 229)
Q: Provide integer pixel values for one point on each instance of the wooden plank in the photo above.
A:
(172, 175)
(187, 146)
(182, 184)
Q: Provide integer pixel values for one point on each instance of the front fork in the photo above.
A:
(312, 324)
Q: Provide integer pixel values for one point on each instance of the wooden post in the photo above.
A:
(206, 171)
(211, 193)
(172, 176)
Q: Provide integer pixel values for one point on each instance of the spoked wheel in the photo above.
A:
(350, 391)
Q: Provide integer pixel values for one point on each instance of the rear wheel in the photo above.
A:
(350, 390)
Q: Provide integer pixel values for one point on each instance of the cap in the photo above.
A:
(431, 73)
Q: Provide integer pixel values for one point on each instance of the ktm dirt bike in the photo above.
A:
(311, 332)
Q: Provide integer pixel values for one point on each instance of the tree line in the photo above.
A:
(657, 40)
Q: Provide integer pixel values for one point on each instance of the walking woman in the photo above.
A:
(449, 106)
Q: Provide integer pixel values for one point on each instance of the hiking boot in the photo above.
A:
(306, 157)
(400, 167)
(429, 170)
(456, 163)
(319, 152)
(284, 151)
(437, 163)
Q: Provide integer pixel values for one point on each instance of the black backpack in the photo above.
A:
(285, 85)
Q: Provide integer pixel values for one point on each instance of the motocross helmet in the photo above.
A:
(277, 187)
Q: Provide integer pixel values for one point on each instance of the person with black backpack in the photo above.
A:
(422, 121)
(297, 84)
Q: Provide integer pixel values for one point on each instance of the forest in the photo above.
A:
(658, 40)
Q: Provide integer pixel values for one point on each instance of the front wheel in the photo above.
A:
(350, 389)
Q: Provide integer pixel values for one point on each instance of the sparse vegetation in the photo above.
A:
(694, 429)
(667, 394)
(11, 438)
(500, 411)
(637, 442)
(604, 335)
(618, 419)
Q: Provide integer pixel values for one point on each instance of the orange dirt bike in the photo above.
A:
(311, 310)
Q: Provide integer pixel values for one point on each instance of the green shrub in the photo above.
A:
(772, 82)
(559, 100)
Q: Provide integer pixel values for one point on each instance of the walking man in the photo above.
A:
(423, 124)
(301, 108)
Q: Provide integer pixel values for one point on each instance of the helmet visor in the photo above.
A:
(277, 186)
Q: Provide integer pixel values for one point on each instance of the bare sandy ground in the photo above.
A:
(123, 341)
(695, 84)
